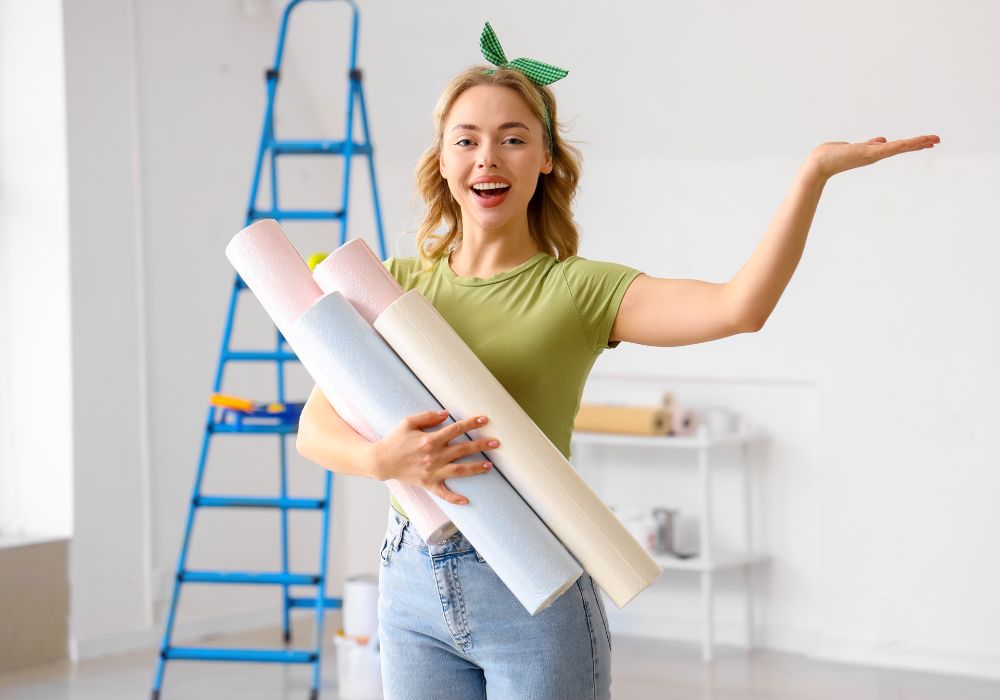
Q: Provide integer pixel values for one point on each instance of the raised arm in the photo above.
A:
(670, 312)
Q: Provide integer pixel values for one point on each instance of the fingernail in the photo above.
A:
(464, 502)
(442, 413)
(493, 443)
(481, 419)
(487, 465)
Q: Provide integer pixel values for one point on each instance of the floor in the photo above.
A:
(642, 670)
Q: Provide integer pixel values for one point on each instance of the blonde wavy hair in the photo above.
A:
(550, 218)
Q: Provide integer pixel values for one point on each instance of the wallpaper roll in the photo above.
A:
(276, 274)
(359, 276)
(683, 420)
(274, 271)
(526, 556)
(526, 457)
(629, 420)
(355, 271)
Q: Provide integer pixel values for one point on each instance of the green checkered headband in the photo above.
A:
(539, 73)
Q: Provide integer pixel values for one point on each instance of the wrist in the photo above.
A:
(812, 173)
(373, 461)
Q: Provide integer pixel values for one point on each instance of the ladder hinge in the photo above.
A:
(271, 74)
(355, 74)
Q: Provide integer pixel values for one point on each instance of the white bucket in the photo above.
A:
(359, 671)
(360, 606)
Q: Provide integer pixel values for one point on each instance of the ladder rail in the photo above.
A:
(268, 149)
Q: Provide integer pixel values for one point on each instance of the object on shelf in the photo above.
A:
(666, 525)
(681, 419)
(640, 525)
(629, 420)
(243, 415)
(254, 408)
(719, 420)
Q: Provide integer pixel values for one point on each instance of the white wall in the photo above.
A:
(36, 478)
(871, 376)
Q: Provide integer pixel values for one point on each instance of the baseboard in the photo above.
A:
(811, 644)
(906, 657)
(185, 632)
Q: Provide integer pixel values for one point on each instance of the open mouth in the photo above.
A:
(490, 190)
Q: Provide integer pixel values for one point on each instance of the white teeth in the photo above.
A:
(489, 186)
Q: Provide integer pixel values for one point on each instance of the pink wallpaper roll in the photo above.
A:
(280, 279)
(275, 272)
(359, 276)
(357, 273)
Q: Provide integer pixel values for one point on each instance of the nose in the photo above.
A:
(486, 159)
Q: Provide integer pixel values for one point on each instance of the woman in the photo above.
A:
(504, 272)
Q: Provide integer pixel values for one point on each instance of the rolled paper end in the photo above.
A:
(274, 271)
(355, 271)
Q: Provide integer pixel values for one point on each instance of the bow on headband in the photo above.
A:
(538, 72)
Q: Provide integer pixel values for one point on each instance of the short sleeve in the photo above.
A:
(403, 271)
(597, 289)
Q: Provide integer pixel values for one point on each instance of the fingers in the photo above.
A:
(454, 470)
(917, 143)
(468, 468)
(470, 447)
(445, 494)
(425, 420)
(450, 432)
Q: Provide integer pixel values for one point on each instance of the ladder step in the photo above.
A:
(282, 656)
(275, 429)
(332, 603)
(254, 502)
(259, 356)
(303, 214)
(250, 577)
(299, 147)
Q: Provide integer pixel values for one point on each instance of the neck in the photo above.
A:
(486, 252)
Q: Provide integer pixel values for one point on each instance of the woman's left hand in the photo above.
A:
(828, 159)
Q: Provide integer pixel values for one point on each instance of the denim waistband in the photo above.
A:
(402, 531)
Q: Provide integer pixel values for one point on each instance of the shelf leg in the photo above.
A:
(706, 599)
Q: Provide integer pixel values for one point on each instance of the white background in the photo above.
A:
(874, 376)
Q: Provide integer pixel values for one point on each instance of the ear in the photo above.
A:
(547, 164)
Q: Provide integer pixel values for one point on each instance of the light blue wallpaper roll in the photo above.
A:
(523, 552)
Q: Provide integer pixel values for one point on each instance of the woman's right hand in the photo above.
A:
(425, 459)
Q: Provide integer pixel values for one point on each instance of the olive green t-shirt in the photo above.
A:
(538, 327)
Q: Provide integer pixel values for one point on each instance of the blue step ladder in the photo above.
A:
(222, 420)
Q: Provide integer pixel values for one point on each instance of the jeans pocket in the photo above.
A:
(385, 554)
(391, 541)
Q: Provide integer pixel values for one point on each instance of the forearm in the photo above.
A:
(325, 438)
(762, 280)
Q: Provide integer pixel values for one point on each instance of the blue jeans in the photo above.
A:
(450, 629)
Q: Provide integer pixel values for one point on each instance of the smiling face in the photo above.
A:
(492, 152)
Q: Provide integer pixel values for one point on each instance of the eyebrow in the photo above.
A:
(505, 125)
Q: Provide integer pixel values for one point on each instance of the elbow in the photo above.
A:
(750, 323)
(303, 444)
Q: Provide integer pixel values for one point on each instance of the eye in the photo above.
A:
(515, 139)
(463, 142)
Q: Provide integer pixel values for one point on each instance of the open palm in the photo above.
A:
(838, 156)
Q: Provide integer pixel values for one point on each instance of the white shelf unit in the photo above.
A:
(710, 559)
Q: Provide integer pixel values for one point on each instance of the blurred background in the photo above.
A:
(128, 132)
